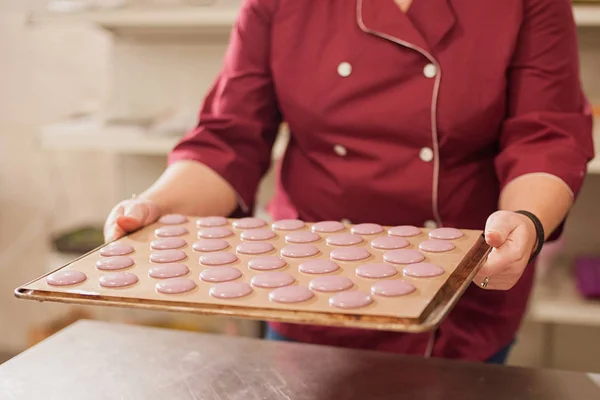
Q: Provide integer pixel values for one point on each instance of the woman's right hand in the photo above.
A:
(128, 216)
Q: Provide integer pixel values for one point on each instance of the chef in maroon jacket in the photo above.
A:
(430, 113)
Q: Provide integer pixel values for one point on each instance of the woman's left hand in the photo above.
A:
(513, 237)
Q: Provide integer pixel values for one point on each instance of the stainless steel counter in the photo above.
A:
(94, 360)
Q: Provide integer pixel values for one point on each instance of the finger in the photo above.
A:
(133, 217)
(111, 221)
(128, 224)
(507, 260)
(152, 213)
(504, 281)
(501, 276)
(113, 233)
(498, 227)
(503, 257)
(112, 217)
(494, 265)
(136, 210)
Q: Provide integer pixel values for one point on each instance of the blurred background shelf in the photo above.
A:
(76, 136)
(147, 20)
(556, 300)
(587, 14)
(121, 140)
(594, 165)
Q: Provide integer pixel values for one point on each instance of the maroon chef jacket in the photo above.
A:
(400, 119)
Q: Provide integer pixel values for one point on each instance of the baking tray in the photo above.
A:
(421, 311)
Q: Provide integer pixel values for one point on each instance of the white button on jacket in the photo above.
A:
(340, 150)
(430, 71)
(426, 154)
(344, 69)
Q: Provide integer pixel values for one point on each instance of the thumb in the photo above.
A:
(133, 217)
(497, 228)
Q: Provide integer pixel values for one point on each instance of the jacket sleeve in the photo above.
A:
(548, 128)
(239, 118)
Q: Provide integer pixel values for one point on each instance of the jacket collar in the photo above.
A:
(424, 26)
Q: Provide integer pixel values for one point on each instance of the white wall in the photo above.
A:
(48, 73)
(45, 74)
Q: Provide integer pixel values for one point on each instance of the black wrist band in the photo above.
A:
(539, 232)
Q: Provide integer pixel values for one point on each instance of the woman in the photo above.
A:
(440, 112)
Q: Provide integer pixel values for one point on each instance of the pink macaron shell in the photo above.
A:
(376, 271)
(328, 227)
(175, 285)
(351, 299)
(217, 232)
(318, 267)
(266, 263)
(404, 231)
(208, 245)
(258, 234)
(389, 243)
(249, 223)
(445, 234)
(65, 278)
(331, 283)
(367, 229)
(392, 288)
(166, 271)
(252, 248)
(170, 231)
(230, 290)
(118, 279)
(220, 274)
(403, 256)
(350, 254)
(167, 256)
(116, 249)
(299, 250)
(291, 294)
(436, 246)
(423, 270)
(167, 243)
(288, 225)
(302, 237)
(344, 239)
(210, 222)
(272, 279)
(218, 258)
(114, 263)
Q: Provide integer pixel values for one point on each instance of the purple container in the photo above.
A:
(587, 274)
